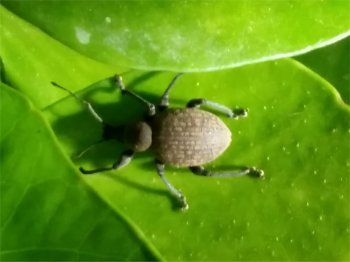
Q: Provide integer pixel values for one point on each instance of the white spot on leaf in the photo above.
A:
(82, 35)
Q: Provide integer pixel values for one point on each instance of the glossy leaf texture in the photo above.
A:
(188, 35)
(296, 132)
(300, 206)
(333, 63)
(47, 211)
(41, 60)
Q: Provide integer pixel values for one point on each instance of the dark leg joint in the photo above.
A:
(199, 170)
(195, 102)
(162, 108)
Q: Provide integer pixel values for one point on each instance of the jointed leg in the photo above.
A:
(150, 106)
(164, 102)
(125, 159)
(199, 170)
(160, 170)
(236, 113)
(84, 102)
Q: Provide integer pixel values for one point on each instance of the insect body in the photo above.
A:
(187, 137)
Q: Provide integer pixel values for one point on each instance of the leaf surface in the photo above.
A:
(295, 132)
(47, 211)
(188, 35)
(333, 64)
(300, 206)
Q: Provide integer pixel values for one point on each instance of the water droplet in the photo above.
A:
(291, 240)
(284, 148)
(234, 221)
(217, 182)
(108, 19)
(307, 203)
(297, 145)
(265, 107)
(187, 223)
(341, 179)
(315, 149)
(348, 164)
(273, 253)
(308, 92)
(153, 236)
(320, 218)
(324, 181)
(319, 248)
(341, 196)
(334, 130)
(197, 84)
(170, 231)
(272, 107)
(305, 121)
(201, 224)
(267, 158)
(239, 132)
(277, 239)
(315, 172)
(248, 224)
(313, 232)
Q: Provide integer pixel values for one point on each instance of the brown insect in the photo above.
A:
(182, 137)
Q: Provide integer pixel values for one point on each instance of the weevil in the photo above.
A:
(180, 137)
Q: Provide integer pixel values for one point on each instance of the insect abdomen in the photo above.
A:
(189, 137)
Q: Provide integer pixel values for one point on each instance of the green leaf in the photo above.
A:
(295, 132)
(189, 35)
(47, 211)
(32, 60)
(333, 64)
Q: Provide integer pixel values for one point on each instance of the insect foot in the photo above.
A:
(184, 206)
(119, 82)
(255, 172)
(239, 113)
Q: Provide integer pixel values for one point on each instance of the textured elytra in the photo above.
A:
(188, 137)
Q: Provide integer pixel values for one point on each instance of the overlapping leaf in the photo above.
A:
(295, 131)
(188, 35)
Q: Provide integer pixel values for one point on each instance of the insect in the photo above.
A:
(180, 137)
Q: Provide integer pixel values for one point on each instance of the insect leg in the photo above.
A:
(125, 159)
(151, 108)
(235, 113)
(84, 102)
(164, 101)
(252, 171)
(160, 170)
